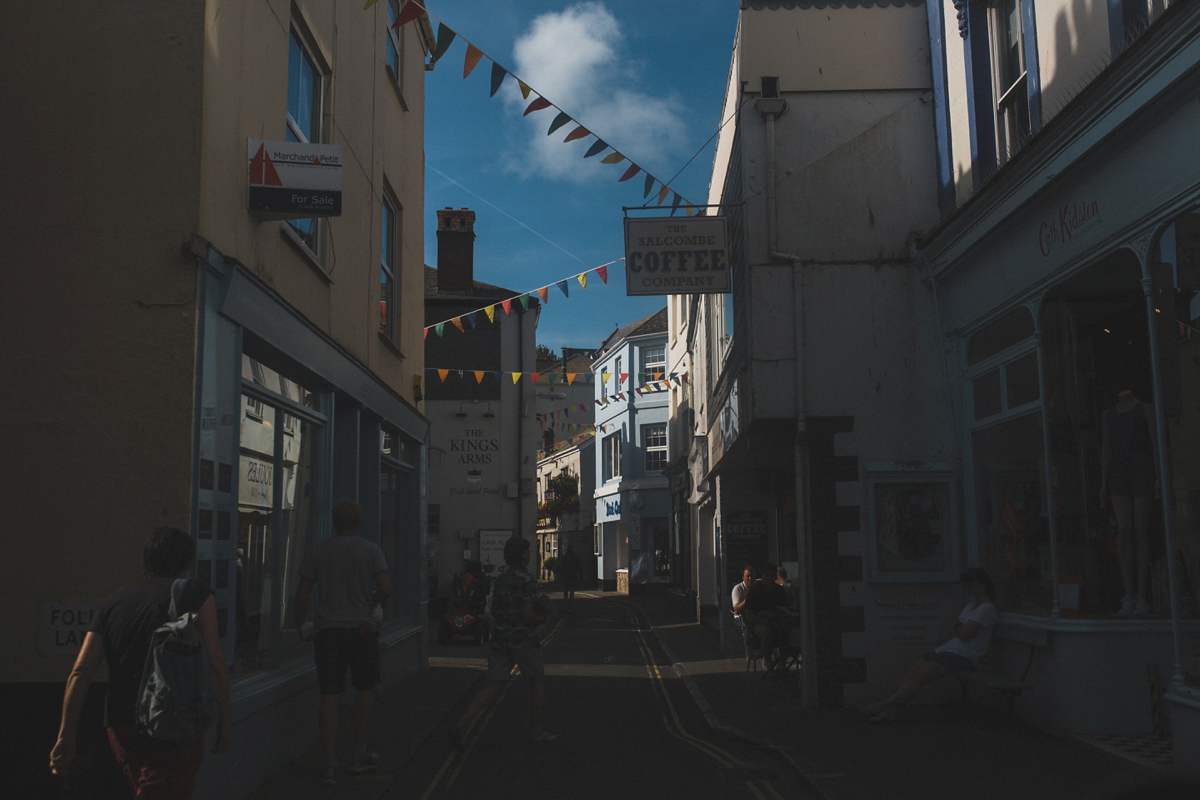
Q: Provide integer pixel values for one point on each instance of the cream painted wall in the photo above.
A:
(245, 92)
(97, 316)
(811, 50)
(1073, 46)
(956, 93)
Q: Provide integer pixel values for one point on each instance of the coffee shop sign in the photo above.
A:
(1070, 220)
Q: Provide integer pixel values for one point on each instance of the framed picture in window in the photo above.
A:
(912, 525)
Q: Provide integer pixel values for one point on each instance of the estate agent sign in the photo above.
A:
(294, 179)
(669, 255)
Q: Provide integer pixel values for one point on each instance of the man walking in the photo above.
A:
(570, 569)
(517, 608)
(351, 577)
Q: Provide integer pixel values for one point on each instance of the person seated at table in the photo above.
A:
(741, 589)
(767, 608)
(969, 639)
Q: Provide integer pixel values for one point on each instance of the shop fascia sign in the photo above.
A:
(293, 180)
(671, 255)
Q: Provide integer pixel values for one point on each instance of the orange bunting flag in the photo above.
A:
(629, 173)
(578, 133)
(583, 279)
(570, 378)
(507, 306)
(491, 312)
(544, 293)
(537, 105)
(533, 376)
(603, 273)
(473, 56)
(662, 195)
(442, 373)
(412, 9)
(479, 376)
(458, 323)
(516, 376)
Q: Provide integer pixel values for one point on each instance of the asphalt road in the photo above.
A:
(628, 727)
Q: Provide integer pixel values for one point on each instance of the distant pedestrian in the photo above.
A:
(969, 639)
(120, 634)
(518, 607)
(570, 570)
(352, 582)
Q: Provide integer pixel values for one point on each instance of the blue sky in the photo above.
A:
(647, 76)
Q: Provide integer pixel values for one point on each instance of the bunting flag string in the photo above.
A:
(542, 292)
(647, 381)
(446, 36)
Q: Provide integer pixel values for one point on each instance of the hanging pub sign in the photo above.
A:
(290, 180)
(672, 255)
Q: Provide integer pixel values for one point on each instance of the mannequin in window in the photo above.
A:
(1129, 480)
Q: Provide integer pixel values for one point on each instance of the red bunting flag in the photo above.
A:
(412, 9)
(629, 173)
(662, 195)
(426, 336)
(537, 105)
(624, 376)
(473, 56)
(533, 376)
(578, 133)
(507, 306)
(639, 392)
(603, 273)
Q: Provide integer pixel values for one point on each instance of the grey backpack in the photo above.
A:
(176, 699)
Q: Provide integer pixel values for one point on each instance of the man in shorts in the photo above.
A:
(518, 607)
(351, 577)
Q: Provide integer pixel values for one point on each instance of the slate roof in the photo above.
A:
(655, 323)
(485, 291)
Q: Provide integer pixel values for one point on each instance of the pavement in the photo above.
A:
(648, 704)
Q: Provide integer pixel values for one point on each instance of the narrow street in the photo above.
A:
(627, 727)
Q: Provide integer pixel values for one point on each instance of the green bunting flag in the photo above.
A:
(445, 38)
(562, 119)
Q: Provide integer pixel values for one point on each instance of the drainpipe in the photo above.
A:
(1051, 516)
(772, 108)
(1164, 470)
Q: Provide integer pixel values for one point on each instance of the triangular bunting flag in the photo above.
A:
(599, 403)
(445, 38)
(412, 9)
(570, 378)
(578, 133)
(498, 75)
(442, 373)
(684, 376)
(440, 328)
(426, 336)
(639, 392)
(649, 185)
(598, 147)
(562, 119)
(623, 378)
(507, 306)
(471, 318)
(458, 323)
(690, 209)
(662, 193)
(563, 285)
(537, 105)
(551, 377)
(516, 376)
(525, 90)
(473, 56)
(612, 158)
(582, 279)
(603, 273)
(491, 312)
(629, 173)
(479, 376)
(524, 301)
(533, 376)
(702, 212)
(675, 204)
(544, 293)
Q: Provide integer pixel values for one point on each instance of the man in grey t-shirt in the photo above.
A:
(351, 577)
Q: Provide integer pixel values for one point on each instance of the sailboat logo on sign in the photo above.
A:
(289, 180)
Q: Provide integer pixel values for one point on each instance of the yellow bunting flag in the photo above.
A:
(473, 56)
(612, 158)
(491, 312)
(583, 279)
(525, 90)
(442, 373)
(516, 376)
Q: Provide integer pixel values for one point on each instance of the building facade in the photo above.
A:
(632, 498)
(484, 439)
(205, 363)
(566, 509)
(942, 279)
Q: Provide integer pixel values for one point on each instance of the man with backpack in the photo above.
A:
(351, 578)
(122, 632)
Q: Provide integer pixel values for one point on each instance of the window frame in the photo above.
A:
(1011, 93)
(647, 449)
(312, 241)
(389, 251)
(395, 43)
(646, 363)
(610, 456)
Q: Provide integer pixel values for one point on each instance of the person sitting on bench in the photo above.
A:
(969, 640)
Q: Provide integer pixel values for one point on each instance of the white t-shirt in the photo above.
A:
(739, 593)
(976, 646)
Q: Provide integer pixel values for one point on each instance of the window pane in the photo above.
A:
(299, 517)
(302, 92)
(1015, 326)
(986, 393)
(1021, 380)
(256, 491)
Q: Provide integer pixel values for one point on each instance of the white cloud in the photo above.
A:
(574, 58)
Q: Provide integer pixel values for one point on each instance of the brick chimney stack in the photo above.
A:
(456, 250)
